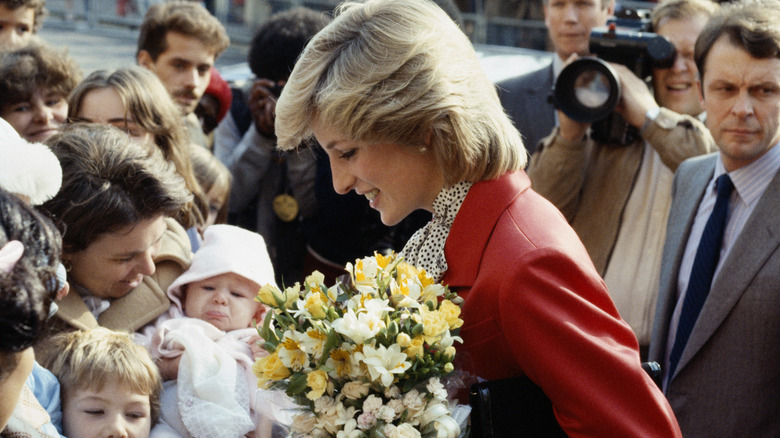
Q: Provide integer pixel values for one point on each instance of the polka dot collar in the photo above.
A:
(425, 249)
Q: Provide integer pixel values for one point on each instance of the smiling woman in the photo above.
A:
(119, 248)
(34, 84)
(394, 93)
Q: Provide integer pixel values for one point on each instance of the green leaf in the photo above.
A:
(330, 343)
(297, 384)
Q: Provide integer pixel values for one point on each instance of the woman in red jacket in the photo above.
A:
(393, 92)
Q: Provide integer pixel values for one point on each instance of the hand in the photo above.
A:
(569, 129)
(169, 367)
(635, 98)
(262, 105)
(257, 350)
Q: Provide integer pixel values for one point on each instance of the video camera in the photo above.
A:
(588, 89)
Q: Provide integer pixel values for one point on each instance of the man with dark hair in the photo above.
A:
(19, 20)
(270, 190)
(718, 317)
(179, 42)
(524, 98)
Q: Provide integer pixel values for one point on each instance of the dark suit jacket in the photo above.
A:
(535, 306)
(524, 98)
(727, 382)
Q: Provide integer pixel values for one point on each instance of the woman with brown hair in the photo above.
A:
(133, 100)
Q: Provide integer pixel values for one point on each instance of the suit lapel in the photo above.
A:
(757, 241)
(691, 181)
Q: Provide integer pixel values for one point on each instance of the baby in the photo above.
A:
(110, 386)
(205, 340)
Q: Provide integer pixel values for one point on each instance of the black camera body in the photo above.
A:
(588, 89)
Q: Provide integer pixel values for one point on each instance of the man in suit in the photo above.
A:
(524, 98)
(725, 379)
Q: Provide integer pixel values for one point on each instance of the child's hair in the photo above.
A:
(30, 253)
(35, 67)
(39, 6)
(210, 173)
(88, 359)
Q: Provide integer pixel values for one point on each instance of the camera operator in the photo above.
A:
(525, 97)
(617, 197)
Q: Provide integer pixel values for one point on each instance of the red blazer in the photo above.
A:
(535, 305)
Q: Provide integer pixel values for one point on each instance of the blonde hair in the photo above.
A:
(210, 173)
(150, 106)
(88, 359)
(401, 71)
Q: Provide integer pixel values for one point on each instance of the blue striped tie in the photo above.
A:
(704, 265)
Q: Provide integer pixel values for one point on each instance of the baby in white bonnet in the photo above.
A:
(205, 341)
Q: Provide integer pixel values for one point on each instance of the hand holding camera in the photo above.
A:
(262, 104)
(601, 90)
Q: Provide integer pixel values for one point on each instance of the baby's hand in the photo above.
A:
(257, 350)
(169, 367)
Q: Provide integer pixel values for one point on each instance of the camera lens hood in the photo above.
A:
(587, 90)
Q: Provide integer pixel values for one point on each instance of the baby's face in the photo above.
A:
(115, 410)
(227, 301)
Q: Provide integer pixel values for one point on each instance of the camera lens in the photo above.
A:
(587, 90)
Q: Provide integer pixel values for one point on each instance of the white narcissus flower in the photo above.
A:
(383, 363)
(377, 307)
(358, 327)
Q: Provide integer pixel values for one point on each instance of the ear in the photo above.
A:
(144, 59)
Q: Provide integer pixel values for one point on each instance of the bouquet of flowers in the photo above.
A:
(364, 357)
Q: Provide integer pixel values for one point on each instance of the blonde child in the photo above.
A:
(215, 180)
(110, 386)
(204, 343)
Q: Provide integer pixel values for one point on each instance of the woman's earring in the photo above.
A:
(423, 149)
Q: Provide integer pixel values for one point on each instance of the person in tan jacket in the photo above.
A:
(120, 247)
(617, 197)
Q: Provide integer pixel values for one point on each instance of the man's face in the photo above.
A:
(569, 23)
(184, 68)
(675, 87)
(741, 95)
(16, 27)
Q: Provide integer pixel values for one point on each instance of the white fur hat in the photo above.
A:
(227, 248)
(28, 169)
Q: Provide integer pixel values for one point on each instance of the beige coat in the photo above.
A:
(591, 182)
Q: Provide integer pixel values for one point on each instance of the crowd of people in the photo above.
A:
(633, 284)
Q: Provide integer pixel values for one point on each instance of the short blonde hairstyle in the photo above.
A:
(88, 359)
(401, 71)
